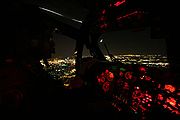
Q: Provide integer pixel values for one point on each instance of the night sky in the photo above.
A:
(118, 42)
(134, 42)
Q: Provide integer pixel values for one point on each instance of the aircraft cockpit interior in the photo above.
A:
(113, 56)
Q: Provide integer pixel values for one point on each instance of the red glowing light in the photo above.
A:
(170, 88)
(159, 85)
(127, 15)
(143, 108)
(171, 101)
(128, 75)
(176, 112)
(101, 80)
(110, 5)
(165, 106)
(121, 73)
(111, 75)
(142, 69)
(106, 71)
(102, 18)
(103, 11)
(102, 74)
(103, 25)
(147, 78)
(160, 97)
(107, 75)
(126, 85)
(119, 3)
(106, 86)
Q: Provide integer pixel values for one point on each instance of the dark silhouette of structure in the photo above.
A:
(89, 34)
(24, 84)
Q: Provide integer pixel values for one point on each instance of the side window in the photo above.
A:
(62, 63)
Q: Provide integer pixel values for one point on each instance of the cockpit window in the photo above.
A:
(62, 63)
(137, 44)
(64, 45)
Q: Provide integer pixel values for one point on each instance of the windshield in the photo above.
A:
(134, 47)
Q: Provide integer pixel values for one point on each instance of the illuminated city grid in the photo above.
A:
(64, 68)
(148, 60)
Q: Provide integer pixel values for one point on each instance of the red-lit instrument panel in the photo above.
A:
(119, 14)
(140, 90)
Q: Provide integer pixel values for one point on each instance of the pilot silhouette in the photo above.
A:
(23, 81)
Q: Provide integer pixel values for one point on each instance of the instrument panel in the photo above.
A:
(140, 91)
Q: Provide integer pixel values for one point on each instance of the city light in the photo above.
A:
(64, 68)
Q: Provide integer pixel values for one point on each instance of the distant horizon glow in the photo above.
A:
(118, 42)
